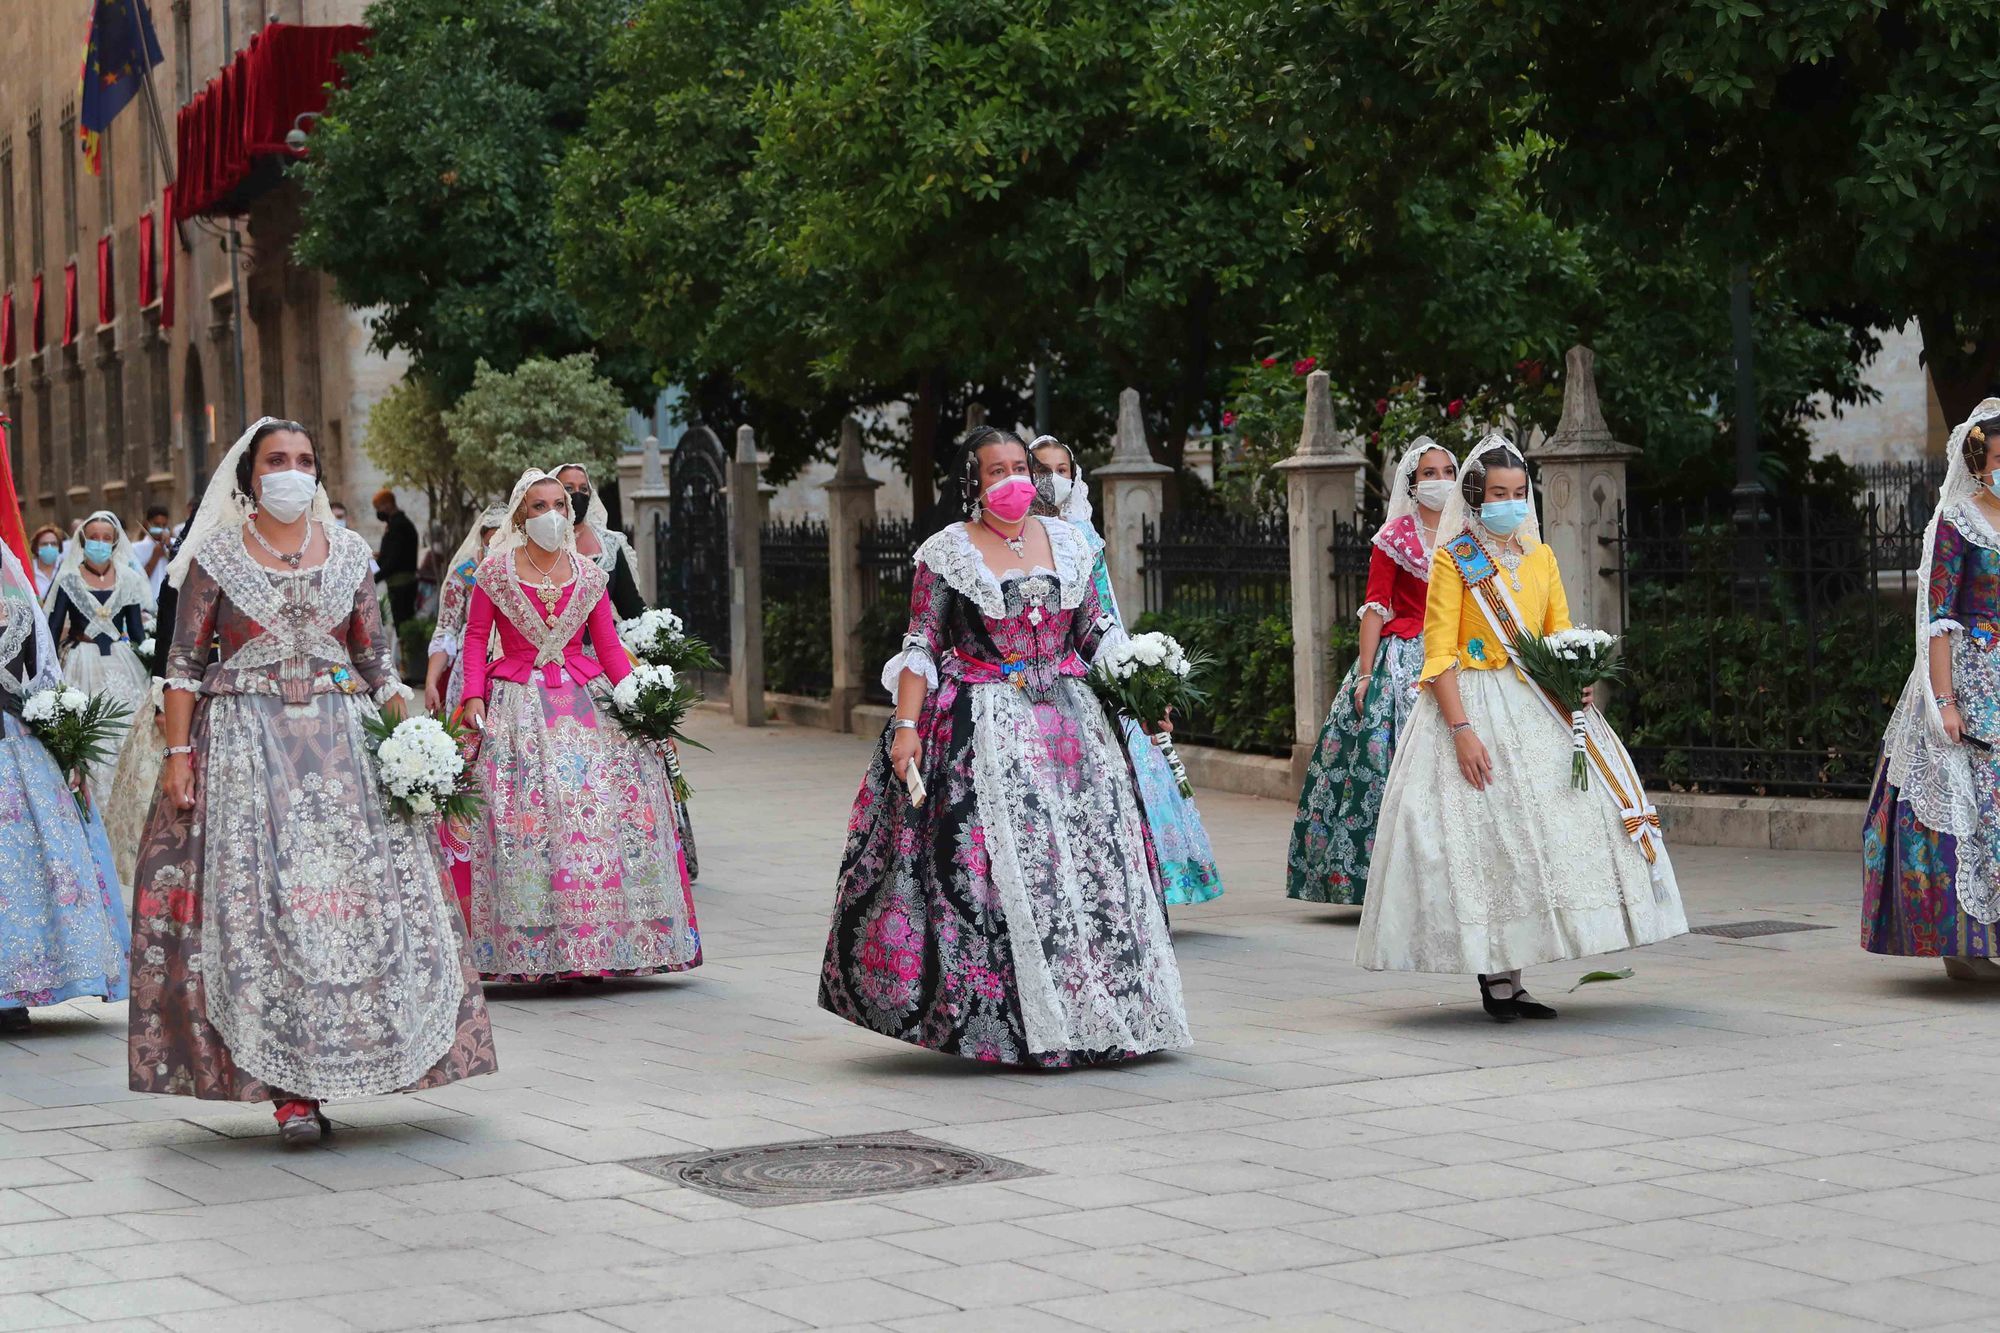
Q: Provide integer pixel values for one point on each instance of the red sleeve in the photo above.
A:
(1381, 580)
(604, 637)
(472, 651)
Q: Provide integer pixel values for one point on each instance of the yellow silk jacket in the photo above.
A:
(1456, 632)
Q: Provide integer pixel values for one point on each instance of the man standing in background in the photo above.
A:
(396, 562)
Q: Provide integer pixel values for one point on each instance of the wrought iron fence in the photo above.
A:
(1912, 486)
(798, 640)
(1203, 563)
(1764, 656)
(888, 555)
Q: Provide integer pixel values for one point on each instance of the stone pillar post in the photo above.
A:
(1582, 489)
(1135, 491)
(1322, 488)
(649, 498)
(746, 585)
(850, 507)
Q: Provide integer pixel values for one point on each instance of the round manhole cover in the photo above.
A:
(821, 1169)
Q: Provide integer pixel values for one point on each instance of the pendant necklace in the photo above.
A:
(547, 591)
(292, 559)
(1018, 543)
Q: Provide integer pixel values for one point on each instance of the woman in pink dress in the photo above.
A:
(577, 871)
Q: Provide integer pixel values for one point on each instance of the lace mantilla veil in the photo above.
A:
(491, 519)
(223, 506)
(511, 538)
(1456, 514)
(131, 585)
(21, 618)
(1926, 769)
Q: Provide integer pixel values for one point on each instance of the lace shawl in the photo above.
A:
(951, 555)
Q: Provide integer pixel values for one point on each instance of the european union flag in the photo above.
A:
(120, 49)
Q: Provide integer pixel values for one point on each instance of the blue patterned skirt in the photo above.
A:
(63, 932)
(1187, 866)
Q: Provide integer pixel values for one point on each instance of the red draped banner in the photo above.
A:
(7, 329)
(69, 303)
(147, 239)
(169, 242)
(107, 302)
(35, 335)
(245, 112)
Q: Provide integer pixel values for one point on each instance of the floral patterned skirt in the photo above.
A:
(289, 934)
(1334, 833)
(576, 864)
(1909, 898)
(1187, 865)
(131, 797)
(1015, 917)
(62, 920)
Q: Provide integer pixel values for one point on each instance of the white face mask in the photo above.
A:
(1060, 488)
(548, 530)
(286, 495)
(1434, 491)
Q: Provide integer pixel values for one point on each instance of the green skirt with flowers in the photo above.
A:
(1334, 834)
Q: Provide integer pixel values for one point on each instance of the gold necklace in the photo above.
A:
(546, 591)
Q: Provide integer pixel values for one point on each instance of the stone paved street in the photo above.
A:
(1773, 1133)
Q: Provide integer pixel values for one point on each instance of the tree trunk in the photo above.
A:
(1963, 371)
(923, 448)
(1192, 391)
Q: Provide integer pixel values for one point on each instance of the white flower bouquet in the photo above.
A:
(77, 729)
(423, 767)
(1148, 678)
(1564, 665)
(658, 638)
(651, 704)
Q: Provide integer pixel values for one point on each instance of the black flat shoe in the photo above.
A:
(1500, 1011)
(13, 1020)
(1527, 1007)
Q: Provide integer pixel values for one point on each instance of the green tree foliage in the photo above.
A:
(429, 188)
(1852, 143)
(538, 415)
(406, 439)
(918, 200)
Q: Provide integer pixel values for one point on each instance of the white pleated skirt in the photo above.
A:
(1528, 871)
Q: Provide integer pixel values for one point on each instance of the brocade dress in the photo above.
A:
(97, 633)
(290, 934)
(1017, 915)
(447, 637)
(1925, 893)
(62, 919)
(576, 865)
(1333, 836)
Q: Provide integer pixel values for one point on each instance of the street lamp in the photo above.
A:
(295, 137)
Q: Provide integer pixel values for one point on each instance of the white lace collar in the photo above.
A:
(1973, 525)
(951, 555)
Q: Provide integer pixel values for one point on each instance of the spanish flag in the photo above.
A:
(119, 50)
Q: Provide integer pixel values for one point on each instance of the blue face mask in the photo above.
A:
(1503, 516)
(96, 552)
(47, 553)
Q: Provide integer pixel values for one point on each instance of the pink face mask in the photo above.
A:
(1009, 498)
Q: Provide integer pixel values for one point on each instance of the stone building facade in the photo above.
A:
(132, 409)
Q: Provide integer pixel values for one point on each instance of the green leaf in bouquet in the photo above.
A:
(1589, 978)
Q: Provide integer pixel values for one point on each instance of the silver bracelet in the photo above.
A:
(180, 749)
(1460, 726)
(1366, 675)
(1944, 701)
(901, 724)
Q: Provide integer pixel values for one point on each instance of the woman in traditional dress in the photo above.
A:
(1012, 914)
(607, 548)
(129, 802)
(1930, 871)
(576, 868)
(98, 604)
(1335, 828)
(1487, 858)
(1187, 865)
(292, 936)
(444, 686)
(62, 919)
(599, 542)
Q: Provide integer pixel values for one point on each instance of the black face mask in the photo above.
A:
(580, 500)
(381, 516)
